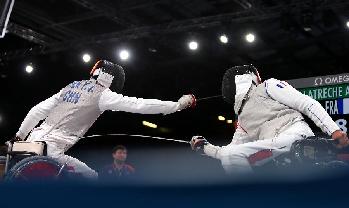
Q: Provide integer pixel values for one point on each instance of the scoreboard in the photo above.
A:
(332, 92)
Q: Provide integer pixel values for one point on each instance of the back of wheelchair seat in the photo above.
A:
(35, 148)
(2, 166)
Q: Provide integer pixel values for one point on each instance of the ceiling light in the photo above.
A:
(223, 39)
(193, 45)
(148, 124)
(124, 55)
(29, 69)
(221, 118)
(250, 37)
(86, 58)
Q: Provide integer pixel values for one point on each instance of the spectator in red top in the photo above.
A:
(118, 169)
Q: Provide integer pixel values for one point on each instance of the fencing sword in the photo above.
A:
(207, 98)
(139, 135)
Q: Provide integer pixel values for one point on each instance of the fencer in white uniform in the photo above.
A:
(269, 120)
(71, 112)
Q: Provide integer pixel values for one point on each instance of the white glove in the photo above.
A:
(186, 101)
(197, 143)
(200, 145)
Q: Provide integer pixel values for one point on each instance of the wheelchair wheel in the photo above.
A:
(35, 168)
(2, 166)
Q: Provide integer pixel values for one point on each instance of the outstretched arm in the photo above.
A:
(199, 142)
(113, 101)
(36, 114)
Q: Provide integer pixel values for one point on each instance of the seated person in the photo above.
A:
(119, 168)
(269, 120)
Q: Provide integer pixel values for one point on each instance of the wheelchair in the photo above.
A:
(28, 161)
(315, 153)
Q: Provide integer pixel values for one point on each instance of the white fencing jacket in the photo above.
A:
(270, 108)
(75, 108)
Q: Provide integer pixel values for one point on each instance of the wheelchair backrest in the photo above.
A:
(35, 148)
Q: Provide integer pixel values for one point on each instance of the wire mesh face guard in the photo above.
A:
(229, 84)
(109, 75)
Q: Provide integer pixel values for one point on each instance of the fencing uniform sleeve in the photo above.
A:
(36, 114)
(287, 95)
(110, 100)
(211, 150)
(240, 137)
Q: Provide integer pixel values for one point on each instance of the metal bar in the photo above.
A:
(168, 28)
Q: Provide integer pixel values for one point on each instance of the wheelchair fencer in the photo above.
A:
(27, 161)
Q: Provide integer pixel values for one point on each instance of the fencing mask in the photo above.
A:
(236, 83)
(109, 75)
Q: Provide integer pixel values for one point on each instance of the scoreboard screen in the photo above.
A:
(331, 91)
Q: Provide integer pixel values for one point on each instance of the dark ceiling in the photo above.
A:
(294, 38)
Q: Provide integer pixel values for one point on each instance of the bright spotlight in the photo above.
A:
(229, 121)
(193, 45)
(86, 58)
(348, 24)
(124, 54)
(250, 38)
(29, 69)
(148, 124)
(221, 118)
(223, 39)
